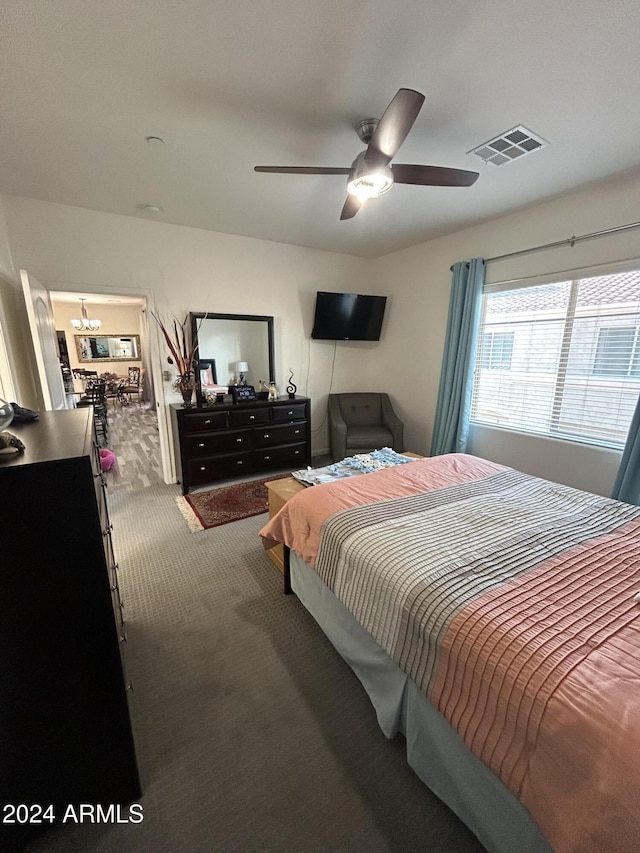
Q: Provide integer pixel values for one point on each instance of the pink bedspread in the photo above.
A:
(299, 522)
(538, 672)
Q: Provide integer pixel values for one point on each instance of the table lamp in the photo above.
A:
(241, 369)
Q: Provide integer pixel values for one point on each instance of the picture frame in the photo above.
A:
(207, 372)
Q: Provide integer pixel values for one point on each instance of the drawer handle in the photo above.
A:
(239, 462)
(296, 452)
(267, 458)
(252, 417)
(203, 467)
(130, 687)
(238, 441)
(266, 435)
(123, 637)
(208, 421)
(290, 413)
(201, 444)
(296, 432)
(114, 587)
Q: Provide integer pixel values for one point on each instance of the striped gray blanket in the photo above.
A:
(406, 567)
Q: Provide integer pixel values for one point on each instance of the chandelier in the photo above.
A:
(85, 325)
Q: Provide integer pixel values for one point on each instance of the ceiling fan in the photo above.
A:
(371, 173)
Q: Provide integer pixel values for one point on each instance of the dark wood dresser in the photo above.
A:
(65, 732)
(231, 440)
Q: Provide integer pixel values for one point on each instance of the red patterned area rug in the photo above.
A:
(203, 510)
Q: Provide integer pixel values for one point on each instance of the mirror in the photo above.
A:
(92, 348)
(232, 348)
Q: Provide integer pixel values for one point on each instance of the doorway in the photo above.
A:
(117, 322)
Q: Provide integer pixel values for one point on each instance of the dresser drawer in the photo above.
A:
(248, 417)
(294, 412)
(266, 436)
(280, 457)
(219, 468)
(206, 444)
(206, 421)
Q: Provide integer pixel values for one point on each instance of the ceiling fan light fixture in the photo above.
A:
(367, 181)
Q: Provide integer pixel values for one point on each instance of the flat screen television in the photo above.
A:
(348, 317)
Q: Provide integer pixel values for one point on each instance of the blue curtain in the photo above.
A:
(627, 485)
(451, 427)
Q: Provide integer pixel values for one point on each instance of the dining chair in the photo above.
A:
(134, 383)
(96, 396)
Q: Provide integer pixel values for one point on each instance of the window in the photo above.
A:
(561, 359)
(617, 352)
(496, 350)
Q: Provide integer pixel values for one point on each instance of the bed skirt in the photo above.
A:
(434, 750)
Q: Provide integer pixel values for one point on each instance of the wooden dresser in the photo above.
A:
(232, 440)
(64, 718)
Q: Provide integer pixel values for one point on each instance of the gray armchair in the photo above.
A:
(362, 422)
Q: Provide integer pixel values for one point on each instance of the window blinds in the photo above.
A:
(561, 358)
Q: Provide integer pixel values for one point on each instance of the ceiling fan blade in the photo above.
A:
(432, 176)
(351, 206)
(304, 170)
(394, 126)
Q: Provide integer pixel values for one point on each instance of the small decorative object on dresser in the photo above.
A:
(10, 444)
(273, 391)
(243, 393)
(236, 439)
(182, 356)
(186, 385)
(6, 414)
(291, 388)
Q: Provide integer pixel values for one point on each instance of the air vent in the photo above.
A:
(509, 146)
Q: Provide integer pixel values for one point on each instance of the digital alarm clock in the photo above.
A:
(243, 393)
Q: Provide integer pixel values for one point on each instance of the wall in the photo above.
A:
(17, 360)
(420, 280)
(187, 269)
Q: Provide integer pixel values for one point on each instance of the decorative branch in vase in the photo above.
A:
(182, 357)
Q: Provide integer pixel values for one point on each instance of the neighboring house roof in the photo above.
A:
(620, 288)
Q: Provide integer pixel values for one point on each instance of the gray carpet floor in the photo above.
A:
(251, 732)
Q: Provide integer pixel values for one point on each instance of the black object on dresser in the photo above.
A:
(65, 732)
(234, 439)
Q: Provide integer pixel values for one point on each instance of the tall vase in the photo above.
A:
(186, 385)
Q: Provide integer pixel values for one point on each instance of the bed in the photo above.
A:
(493, 619)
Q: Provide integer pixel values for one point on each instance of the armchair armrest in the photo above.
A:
(337, 430)
(392, 422)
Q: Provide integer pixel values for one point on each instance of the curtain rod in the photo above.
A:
(571, 241)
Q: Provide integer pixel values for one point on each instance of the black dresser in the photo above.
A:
(65, 732)
(235, 439)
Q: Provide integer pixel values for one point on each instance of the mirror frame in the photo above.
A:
(197, 317)
(84, 360)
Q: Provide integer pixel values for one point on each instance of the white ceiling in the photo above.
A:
(229, 84)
